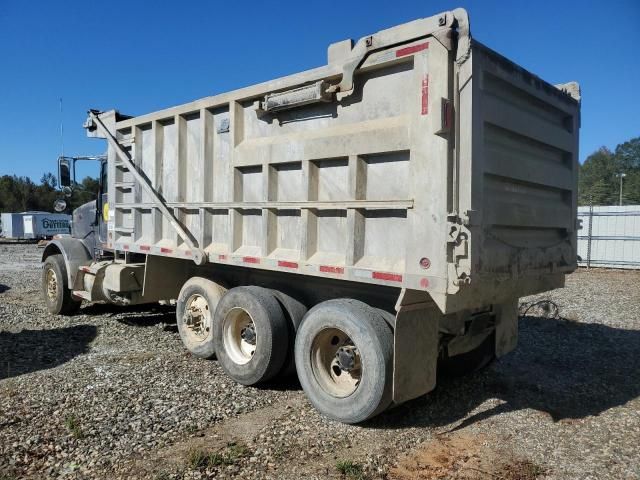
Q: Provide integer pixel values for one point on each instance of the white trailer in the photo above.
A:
(363, 222)
(35, 225)
(39, 225)
(12, 225)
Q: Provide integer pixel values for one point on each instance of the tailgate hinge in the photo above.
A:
(458, 247)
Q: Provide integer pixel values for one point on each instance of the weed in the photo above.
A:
(10, 390)
(73, 425)
(350, 469)
(166, 475)
(199, 459)
(523, 470)
(279, 452)
(236, 450)
(191, 429)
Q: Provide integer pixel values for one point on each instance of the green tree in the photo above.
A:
(599, 175)
(596, 177)
(20, 194)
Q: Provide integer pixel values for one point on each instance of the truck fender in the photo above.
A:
(73, 251)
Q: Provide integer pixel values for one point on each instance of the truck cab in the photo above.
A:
(64, 255)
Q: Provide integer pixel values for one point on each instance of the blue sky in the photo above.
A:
(138, 58)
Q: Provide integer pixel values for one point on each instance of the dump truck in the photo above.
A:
(363, 224)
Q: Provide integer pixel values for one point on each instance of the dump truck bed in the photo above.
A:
(447, 168)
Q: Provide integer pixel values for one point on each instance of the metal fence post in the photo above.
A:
(590, 231)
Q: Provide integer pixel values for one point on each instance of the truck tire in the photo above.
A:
(294, 311)
(195, 310)
(466, 363)
(55, 287)
(344, 359)
(251, 335)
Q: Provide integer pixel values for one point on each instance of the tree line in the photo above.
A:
(599, 183)
(21, 194)
(599, 179)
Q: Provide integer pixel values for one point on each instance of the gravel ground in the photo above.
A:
(111, 393)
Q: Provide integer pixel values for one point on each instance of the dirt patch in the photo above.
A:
(462, 456)
(216, 447)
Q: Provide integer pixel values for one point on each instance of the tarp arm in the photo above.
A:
(424, 27)
(199, 256)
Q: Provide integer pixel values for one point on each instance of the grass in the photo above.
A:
(10, 390)
(524, 470)
(350, 469)
(200, 459)
(73, 425)
(177, 473)
(191, 429)
(279, 452)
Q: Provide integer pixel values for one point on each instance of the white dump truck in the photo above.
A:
(361, 223)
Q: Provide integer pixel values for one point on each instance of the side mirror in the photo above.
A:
(64, 173)
(59, 205)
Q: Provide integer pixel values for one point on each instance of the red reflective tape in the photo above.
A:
(250, 260)
(424, 282)
(187, 253)
(222, 257)
(125, 247)
(145, 248)
(330, 269)
(412, 49)
(391, 277)
(165, 250)
(282, 263)
(425, 95)
(86, 269)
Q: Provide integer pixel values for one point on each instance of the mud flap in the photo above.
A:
(506, 326)
(415, 346)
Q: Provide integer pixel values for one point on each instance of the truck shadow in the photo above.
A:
(137, 315)
(4, 288)
(32, 350)
(565, 369)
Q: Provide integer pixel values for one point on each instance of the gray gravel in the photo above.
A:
(111, 393)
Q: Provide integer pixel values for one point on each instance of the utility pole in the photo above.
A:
(621, 175)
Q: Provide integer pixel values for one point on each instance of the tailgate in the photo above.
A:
(522, 200)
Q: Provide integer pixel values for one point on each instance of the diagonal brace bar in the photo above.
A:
(199, 256)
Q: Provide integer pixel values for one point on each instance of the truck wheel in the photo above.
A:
(344, 359)
(55, 287)
(195, 309)
(294, 311)
(251, 335)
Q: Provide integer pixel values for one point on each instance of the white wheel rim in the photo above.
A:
(239, 336)
(331, 375)
(197, 318)
(52, 285)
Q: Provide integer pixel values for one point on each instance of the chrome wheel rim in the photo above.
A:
(239, 336)
(336, 362)
(197, 318)
(52, 285)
